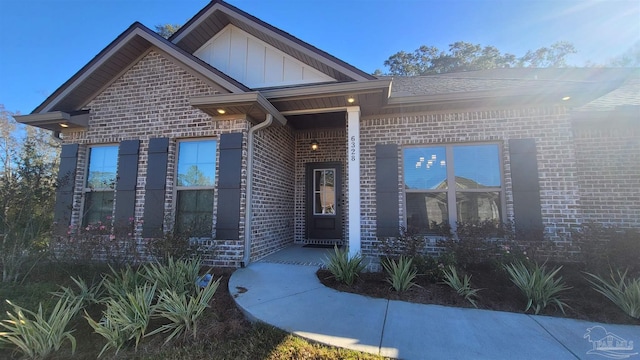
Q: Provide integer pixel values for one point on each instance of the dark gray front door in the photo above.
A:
(324, 210)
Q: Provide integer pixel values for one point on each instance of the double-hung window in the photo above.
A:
(100, 184)
(195, 182)
(452, 184)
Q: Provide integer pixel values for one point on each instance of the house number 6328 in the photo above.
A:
(352, 148)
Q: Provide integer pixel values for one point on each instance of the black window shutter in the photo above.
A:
(64, 191)
(229, 170)
(525, 185)
(127, 180)
(387, 204)
(155, 187)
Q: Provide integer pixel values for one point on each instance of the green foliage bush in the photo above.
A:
(122, 282)
(539, 286)
(86, 295)
(183, 310)
(477, 242)
(114, 244)
(28, 180)
(461, 286)
(344, 268)
(400, 274)
(35, 335)
(408, 243)
(623, 292)
(177, 275)
(604, 247)
(126, 317)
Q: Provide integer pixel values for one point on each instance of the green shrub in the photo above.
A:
(125, 318)
(477, 242)
(343, 268)
(183, 310)
(407, 243)
(461, 286)
(623, 292)
(602, 247)
(86, 294)
(431, 267)
(36, 336)
(539, 286)
(177, 275)
(120, 283)
(400, 274)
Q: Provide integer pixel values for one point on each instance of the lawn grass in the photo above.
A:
(224, 332)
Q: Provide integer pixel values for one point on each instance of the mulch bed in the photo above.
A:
(498, 293)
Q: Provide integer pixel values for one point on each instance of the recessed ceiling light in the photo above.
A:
(221, 111)
(351, 100)
(63, 125)
(566, 98)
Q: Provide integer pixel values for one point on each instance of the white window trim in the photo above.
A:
(451, 192)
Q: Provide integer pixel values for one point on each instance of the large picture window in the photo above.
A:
(195, 182)
(452, 184)
(100, 184)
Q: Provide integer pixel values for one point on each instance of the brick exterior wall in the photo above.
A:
(608, 158)
(550, 127)
(587, 173)
(152, 100)
(332, 148)
(273, 196)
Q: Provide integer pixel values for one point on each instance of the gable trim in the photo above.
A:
(271, 31)
(136, 31)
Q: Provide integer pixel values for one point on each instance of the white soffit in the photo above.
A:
(255, 63)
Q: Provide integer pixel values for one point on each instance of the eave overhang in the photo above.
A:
(252, 104)
(570, 95)
(56, 120)
(118, 57)
(620, 116)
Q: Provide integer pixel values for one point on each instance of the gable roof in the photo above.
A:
(218, 14)
(116, 58)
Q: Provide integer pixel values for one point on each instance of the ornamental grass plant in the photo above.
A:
(400, 274)
(35, 335)
(177, 275)
(125, 318)
(183, 310)
(540, 286)
(344, 268)
(461, 285)
(622, 291)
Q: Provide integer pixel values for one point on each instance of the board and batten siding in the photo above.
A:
(255, 63)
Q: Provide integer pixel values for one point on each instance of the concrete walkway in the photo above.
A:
(292, 298)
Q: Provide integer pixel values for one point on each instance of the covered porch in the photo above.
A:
(307, 169)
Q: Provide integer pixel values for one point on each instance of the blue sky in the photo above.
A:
(45, 42)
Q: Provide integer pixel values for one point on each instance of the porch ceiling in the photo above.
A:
(370, 96)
